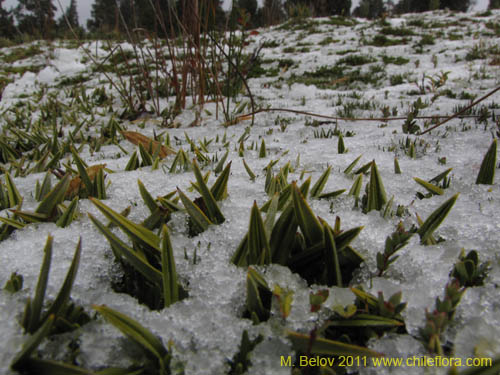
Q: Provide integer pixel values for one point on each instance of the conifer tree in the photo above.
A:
(369, 9)
(70, 16)
(105, 16)
(7, 29)
(36, 17)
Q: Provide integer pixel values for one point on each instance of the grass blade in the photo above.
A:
(219, 188)
(351, 166)
(435, 219)
(249, 171)
(169, 274)
(258, 244)
(134, 331)
(431, 188)
(320, 184)
(148, 199)
(12, 193)
(214, 213)
(332, 266)
(486, 174)
(308, 222)
(376, 192)
(37, 304)
(54, 197)
(137, 233)
(32, 343)
(68, 215)
(200, 220)
(132, 256)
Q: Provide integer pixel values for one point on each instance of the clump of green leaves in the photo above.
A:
(158, 357)
(467, 272)
(259, 297)
(435, 219)
(149, 266)
(375, 197)
(204, 211)
(319, 253)
(435, 186)
(393, 243)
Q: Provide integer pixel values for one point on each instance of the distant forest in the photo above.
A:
(36, 18)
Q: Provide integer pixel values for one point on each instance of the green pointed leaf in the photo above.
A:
(332, 265)
(65, 291)
(99, 187)
(199, 219)
(308, 222)
(54, 197)
(31, 217)
(271, 214)
(397, 169)
(356, 186)
(435, 219)
(441, 176)
(283, 235)
(133, 162)
(320, 184)
(12, 193)
(249, 171)
(32, 343)
(332, 194)
(262, 151)
(13, 223)
(431, 188)
(221, 162)
(351, 166)
(240, 256)
(341, 146)
(256, 289)
(148, 199)
(487, 172)
(219, 188)
(214, 213)
(34, 320)
(321, 346)
(146, 157)
(258, 244)
(68, 215)
(343, 239)
(82, 171)
(376, 192)
(137, 261)
(364, 168)
(44, 188)
(137, 233)
(169, 274)
(134, 331)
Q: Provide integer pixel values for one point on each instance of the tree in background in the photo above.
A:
(494, 4)
(35, 17)
(272, 12)
(69, 18)
(369, 9)
(7, 29)
(104, 17)
(244, 9)
(417, 6)
(338, 7)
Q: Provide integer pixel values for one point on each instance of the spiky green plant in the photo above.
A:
(258, 307)
(486, 174)
(435, 219)
(375, 198)
(148, 265)
(145, 339)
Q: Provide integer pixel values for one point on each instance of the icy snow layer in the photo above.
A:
(206, 328)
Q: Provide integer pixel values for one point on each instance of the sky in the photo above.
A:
(84, 6)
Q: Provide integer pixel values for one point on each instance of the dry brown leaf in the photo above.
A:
(140, 139)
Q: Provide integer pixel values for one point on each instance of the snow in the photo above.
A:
(206, 327)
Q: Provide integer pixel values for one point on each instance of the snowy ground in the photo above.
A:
(206, 328)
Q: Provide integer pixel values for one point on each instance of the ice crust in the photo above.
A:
(206, 327)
